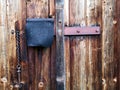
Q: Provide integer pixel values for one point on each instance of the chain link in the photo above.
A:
(18, 67)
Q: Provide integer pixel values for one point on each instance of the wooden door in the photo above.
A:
(91, 62)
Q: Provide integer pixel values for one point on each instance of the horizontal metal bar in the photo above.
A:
(82, 31)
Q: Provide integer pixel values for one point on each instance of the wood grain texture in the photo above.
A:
(45, 73)
(66, 12)
(52, 8)
(60, 57)
(4, 73)
(53, 66)
(78, 46)
(94, 57)
(118, 46)
(85, 51)
(13, 14)
(39, 9)
(31, 66)
(108, 62)
(67, 61)
(80, 58)
(23, 46)
(67, 44)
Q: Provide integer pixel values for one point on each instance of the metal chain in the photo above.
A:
(18, 67)
(18, 47)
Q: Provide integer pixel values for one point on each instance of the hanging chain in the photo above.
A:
(18, 54)
(18, 67)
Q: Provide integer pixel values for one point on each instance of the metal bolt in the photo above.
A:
(97, 30)
(12, 31)
(78, 31)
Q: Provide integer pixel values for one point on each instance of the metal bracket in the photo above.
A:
(82, 30)
(68, 31)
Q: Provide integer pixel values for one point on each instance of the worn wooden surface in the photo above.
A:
(60, 55)
(117, 80)
(4, 64)
(92, 62)
(108, 61)
(40, 72)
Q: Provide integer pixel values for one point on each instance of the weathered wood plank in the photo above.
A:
(31, 66)
(85, 64)
(108, 63)
(94, 71)
(23, 46)
(14, 14)
(118, 46)
(67, 61)
(53, 66)
(45, 73)
(66, 12)
(38, 68)
(67, 45)
(39, 9)
(52, 50)
(78, 46)
(4, 73)
(75, 56)
(52, 8)
(60, 57)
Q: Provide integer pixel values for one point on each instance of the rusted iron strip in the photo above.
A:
(82, 31)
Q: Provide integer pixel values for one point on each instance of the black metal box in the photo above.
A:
(40, 32)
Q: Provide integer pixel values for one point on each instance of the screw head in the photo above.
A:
(78, 31)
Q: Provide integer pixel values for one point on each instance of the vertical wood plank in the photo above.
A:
(94, 56)
(76, 55)
(67, 61)
(108, 63)
(117, 80)
(16, 15)
(39, 9)
(4, 74)
(31, 67)
(118, 46)
(78, 46)
(45, 73)
(53, 66)
(52, 8)
(86, 64)
(23, 46)
(12, 15)
(67, 44)
(66, 12)
(60, 58)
